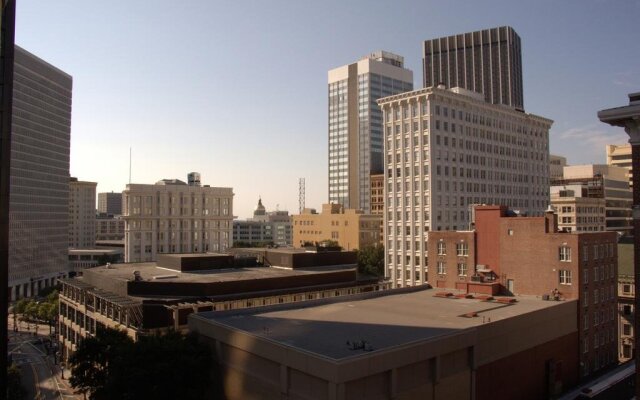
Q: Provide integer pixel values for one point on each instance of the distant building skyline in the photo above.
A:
(264, 227)
(559, 84)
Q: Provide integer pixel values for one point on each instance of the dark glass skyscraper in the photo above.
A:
(487, 62)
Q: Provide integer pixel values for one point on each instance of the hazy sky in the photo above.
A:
(237, 90)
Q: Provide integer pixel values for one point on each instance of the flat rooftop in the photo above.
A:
(383, 322)
(149, 271)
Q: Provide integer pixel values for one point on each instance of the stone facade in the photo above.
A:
(173, 217)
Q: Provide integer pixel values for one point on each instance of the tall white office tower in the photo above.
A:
(355, 124)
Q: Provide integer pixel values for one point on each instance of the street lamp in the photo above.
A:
(628, 117)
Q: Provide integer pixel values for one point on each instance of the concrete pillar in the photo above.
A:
(628, 117)
(284, 381)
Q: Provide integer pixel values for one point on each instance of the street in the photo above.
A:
(40, 376)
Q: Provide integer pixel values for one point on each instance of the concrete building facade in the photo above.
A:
(487, 61)
(606, 182)
(377, 194)
(619, 155)
(355, 124)
(556, 166)
(445, 151)
(82, 214)
(400, 344)
(626, 300)
(351, 229)
(266, 227)
(173, 217)
(576, 211)
(516, 255)
(109, 227)
(81, 259)
(39, 176)
(110, 203)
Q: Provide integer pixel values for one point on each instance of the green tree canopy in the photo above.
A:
(371, 260)
(96, 361)
(170, 366)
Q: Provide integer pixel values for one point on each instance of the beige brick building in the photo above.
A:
(576, 211)
(350, 228)
(82, 214)
(620, 156)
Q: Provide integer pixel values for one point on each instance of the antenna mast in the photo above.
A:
(301, 195)
(129, 165)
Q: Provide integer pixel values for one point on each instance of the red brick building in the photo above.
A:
(511, 254)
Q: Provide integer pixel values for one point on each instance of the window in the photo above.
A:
(565, 253)
(586, 321)
(585, 346)
(585, 276)
(462, 249)
(626, 289)
(626, 350)
(442, 268)
(442, 248)
(565, 277)
(595, 296)
(626, 329)
(462, 269)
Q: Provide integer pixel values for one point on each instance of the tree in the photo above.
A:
(31, 310)
(20, 306)
(15, 390)
(154, 358)
(371, 260)
(96, 360)
(111, 365)
(46, 292)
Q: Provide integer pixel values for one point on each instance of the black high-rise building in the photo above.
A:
(487, 62)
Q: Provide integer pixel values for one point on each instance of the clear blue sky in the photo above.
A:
(237, 90)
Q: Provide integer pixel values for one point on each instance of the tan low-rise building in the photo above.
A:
(350, 228)
(412, 343)
(576, 211)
